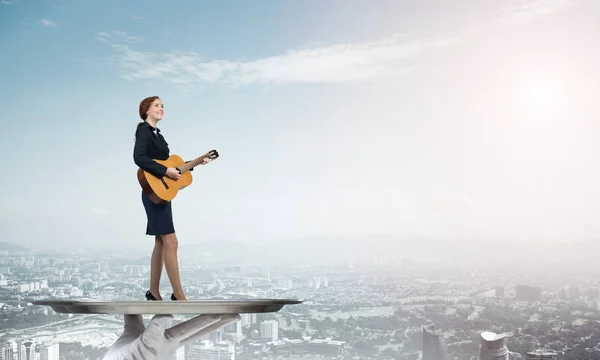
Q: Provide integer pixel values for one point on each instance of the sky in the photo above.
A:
(467, 118)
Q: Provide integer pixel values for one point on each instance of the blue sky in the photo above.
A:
(463, 118)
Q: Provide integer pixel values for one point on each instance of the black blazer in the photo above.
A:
(150, 145)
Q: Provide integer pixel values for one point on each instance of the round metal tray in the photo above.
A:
(167, 307)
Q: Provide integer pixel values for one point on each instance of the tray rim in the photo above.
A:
(167, 307)
(170, 302)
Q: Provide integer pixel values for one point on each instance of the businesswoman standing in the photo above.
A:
(150, 145)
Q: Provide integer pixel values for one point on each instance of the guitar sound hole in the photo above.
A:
(164, 183)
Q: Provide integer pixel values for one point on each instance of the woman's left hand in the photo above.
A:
(205, 161)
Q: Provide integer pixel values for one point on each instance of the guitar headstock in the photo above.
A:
(213, 154)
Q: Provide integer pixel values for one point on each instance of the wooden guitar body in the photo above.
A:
(162, 190)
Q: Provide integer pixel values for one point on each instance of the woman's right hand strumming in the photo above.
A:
(173, 173)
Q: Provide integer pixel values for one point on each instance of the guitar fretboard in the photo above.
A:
(186, 167)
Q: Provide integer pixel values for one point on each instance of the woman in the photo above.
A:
(149, 145)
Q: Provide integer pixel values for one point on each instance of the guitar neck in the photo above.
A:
(187, 166)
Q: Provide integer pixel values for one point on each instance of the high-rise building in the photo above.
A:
(593, 294)
(528, 293)
(26, 350)
(570, 292)
(434, 345)
(493, 346)
(50, 352)
(269, 330)
(233, 331)
(8, 350)
(206, 350)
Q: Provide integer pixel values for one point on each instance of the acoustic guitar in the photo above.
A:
(164, 189)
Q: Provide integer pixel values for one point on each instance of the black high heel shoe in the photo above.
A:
(150, 297)
(173, 297)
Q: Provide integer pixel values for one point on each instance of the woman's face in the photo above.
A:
(156, 110)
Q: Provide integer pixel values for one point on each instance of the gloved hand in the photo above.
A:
(159, 340)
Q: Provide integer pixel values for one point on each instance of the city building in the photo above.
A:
(434, 345)
(269, 330)
(207, 350)
(528, 293)
(50, 352)
(493, 346)
(8, 350)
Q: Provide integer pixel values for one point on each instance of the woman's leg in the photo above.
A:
(171, 264)
(156, 266)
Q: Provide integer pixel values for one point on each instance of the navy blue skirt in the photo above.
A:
(160, 217)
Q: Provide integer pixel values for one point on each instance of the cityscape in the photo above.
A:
(417, 178)
(387, 308)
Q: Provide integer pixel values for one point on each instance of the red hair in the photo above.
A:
(144, 106)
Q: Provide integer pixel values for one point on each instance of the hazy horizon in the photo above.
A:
(465, 119)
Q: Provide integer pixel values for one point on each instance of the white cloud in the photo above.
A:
(48, 23)
(521, 10)
(392, 56)
(6, 2)
(118, 36)
(537, 7)
(325, 64)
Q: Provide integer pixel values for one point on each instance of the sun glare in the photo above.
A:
(541, 97)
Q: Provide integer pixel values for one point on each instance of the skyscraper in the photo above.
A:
(269, 330)
(493, 346)
(207, 350)
(8, 350)
(50, 352)
(434, 345)
(26, 350)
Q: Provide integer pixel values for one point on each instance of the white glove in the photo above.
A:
(159, 340)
